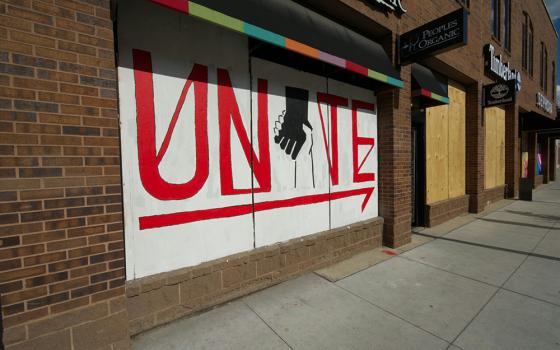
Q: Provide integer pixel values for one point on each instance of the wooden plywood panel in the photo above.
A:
(500, 147)
(489, 148)
(494, 147)
(457, 157)
(437, 154)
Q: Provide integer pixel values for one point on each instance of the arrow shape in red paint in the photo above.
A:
(163, 220)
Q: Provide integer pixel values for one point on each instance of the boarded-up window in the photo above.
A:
(494, 146)
(445, 148)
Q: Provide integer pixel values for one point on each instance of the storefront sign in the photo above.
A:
(392, 5)
(496, 67)
(442, 34)
(499, 94)
(544, 103)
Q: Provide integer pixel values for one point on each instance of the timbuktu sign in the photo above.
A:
(442, 34)
(496, 67)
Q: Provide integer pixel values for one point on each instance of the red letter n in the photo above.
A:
(228, 114)
(332, 152)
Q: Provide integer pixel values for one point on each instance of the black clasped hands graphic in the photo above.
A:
(289, 132)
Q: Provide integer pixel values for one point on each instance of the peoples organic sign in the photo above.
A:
(442, 34)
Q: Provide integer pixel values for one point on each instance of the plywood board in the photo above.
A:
(457, 146)
(494, 147)
(171, 164)
(501, 148)
(489, 148)
(357, 154)
(437, 154)
(308, 174)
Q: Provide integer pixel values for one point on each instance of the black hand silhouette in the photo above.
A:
(289, 127)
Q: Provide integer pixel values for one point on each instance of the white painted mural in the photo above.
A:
(223, 153)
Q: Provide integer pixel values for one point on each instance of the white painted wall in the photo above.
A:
(176, 43)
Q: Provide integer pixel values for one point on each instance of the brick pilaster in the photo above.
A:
(512, 151)
(395, 179)
(61, 229)
(475, 149)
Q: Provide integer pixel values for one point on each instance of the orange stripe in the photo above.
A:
(302, 48)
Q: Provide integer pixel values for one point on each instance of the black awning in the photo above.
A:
(427, 83)
(294, 27)
(532, 121)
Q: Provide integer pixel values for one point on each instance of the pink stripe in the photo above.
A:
(323, 56)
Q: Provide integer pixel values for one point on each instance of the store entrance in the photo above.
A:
(418, 152)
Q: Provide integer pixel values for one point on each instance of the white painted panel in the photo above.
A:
(169, 222)
(176, 42)
(303, 177)
(348, 210)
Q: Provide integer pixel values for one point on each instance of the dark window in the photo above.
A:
(524, 49)
(544, 68)
(553, 81)
(496, 19)
(530, 45)
(545, 71)
(507, 24)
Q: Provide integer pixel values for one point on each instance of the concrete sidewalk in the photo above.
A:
(493, 283)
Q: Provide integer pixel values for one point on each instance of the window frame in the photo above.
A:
(495, 20)
(531, 47)
(507, 24)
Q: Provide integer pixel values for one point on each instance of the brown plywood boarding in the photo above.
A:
(494, 146)
(501, 148)
(437, 160)
(489, 148)
(445, 148)
(457, 146)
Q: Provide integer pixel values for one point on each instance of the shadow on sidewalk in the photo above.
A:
(531, 214)
(518, 224)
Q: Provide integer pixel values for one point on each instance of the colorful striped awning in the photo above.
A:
(291, 26)
(426, 84)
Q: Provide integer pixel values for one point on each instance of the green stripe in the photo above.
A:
(440, 98)
(265, 35)
(215, 17)
(377, 76)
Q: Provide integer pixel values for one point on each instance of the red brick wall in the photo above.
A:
(61, 230)
(161, 298)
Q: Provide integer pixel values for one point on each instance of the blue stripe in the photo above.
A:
(265, 35)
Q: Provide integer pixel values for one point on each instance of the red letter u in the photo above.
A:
(148, 158)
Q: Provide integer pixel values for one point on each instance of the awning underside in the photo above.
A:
(427, 84)
(295, 28)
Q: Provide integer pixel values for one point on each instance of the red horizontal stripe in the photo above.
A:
(356, 68)
(178, 5)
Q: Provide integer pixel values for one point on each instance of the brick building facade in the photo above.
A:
(63, 278)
